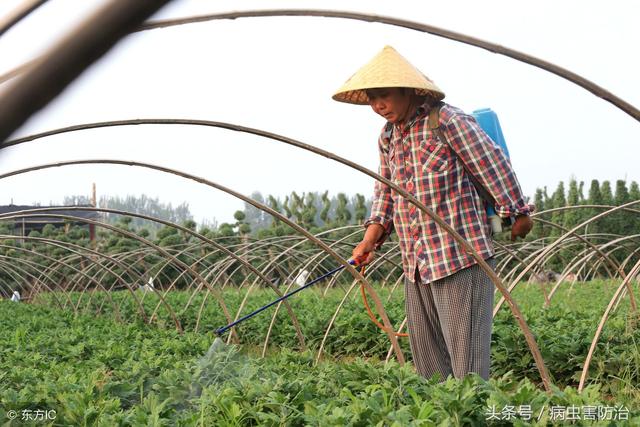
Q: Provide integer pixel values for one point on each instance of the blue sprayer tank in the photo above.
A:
(488, 121)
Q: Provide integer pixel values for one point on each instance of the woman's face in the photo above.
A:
(392, 103)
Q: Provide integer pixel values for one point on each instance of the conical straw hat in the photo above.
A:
(386, 69)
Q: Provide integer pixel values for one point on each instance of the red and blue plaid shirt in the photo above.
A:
(417, 161)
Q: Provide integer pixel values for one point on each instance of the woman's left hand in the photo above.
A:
(521, 227)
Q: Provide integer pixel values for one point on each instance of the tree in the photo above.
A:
(606, 225)
(538, 200)
(275, 205)
(606, 194)
(622, 221)
(286, 208)
(595, 197)
(622, 194)
(539, 229)
(343, 214)
(226, 230)
(190, 225)
(242, 226)
(360, 209)
(296, 205)
(256, 218)
(124, 223)
(573, 217)
(310, 211)
(326, 207)
(547, 200)
(558, 200)
(634, 191)
(76, 200)
(634, 194)
(168, 236)
(145, 205)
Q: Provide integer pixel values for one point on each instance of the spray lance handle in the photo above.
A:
(357, 261)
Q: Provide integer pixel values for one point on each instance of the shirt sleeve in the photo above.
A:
(382, 204)
(488, 163)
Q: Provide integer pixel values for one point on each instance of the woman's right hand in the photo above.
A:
(364, 253)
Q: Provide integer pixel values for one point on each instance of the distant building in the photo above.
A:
(25, 224)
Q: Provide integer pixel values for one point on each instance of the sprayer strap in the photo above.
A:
(433, 122)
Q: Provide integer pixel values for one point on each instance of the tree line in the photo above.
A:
(319, 211)
(608, 228)
(315, 212)
(142, 204)
(599, 194)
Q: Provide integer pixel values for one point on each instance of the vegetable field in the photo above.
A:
(118, 329)
(91, 369)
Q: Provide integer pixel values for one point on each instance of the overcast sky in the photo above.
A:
(278, 75)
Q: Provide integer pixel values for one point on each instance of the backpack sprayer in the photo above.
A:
(488, 121)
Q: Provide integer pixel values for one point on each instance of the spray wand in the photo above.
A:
(224, 329)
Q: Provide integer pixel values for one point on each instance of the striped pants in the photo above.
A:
(449, 322)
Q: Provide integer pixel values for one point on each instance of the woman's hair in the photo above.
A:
(425, 98)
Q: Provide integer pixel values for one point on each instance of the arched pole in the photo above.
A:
(593, 247)
(596, 337)
(185, 230)
(327, 330)
(45, 271)
(511, 255)
(129, 235)
(76, 279)
(10, 268)
(76, 250)
(283, 253)
(628, 259)
(19, 13)
(184, 252)
(558, 241)
(6, 291)
(68, 58)
(99, 272)
(18, 275)
(587, 256)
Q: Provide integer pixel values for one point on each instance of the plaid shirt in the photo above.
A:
(415, 160)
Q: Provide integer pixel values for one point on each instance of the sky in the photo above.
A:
(278, 74)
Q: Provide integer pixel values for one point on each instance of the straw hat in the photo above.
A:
(386, 69)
